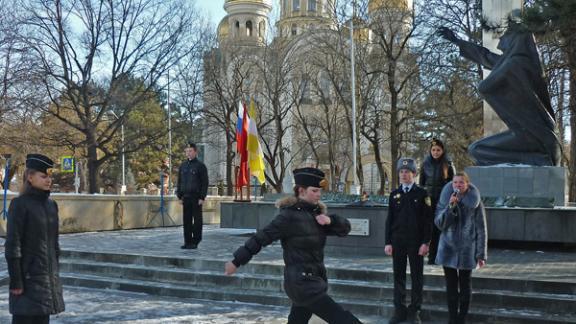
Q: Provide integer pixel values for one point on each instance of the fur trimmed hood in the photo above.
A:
(293, 202)
(471, 199)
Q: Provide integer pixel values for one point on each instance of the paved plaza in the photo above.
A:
(103, 306)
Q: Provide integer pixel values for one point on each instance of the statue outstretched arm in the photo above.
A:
(469, 50)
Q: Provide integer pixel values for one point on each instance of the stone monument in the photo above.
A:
(517, 91)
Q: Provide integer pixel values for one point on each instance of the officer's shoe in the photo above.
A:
(398, 317)
(414, 317)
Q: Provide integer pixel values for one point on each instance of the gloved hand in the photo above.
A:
(447, 34)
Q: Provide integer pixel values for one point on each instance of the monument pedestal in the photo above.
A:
(521, 181)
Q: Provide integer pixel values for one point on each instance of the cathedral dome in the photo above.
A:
(223, 29)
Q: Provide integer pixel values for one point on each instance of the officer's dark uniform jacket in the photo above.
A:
(410, 217)
(192, 180)
(303, 241)
(32, 253)
(432, 176)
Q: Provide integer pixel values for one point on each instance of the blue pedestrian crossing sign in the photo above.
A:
(67, 164)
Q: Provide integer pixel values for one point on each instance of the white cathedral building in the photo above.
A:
(310, 114)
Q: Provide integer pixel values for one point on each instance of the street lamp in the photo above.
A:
(123, 189)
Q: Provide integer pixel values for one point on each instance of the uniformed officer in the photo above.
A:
(192, 189)
(408, 233)
(302, 225)
(31, 249)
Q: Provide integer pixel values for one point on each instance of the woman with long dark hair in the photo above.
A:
(435, 172)
(32, 248)
(302, 226)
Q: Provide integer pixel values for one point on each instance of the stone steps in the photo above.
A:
(364, 292)
(4, 280)
(381, 308)
(376, 291)
(358, 276)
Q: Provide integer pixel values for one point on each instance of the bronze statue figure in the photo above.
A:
(516, 89)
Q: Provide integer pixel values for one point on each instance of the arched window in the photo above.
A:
(294, 30)
(296, 5)
(312, 5)
(249, 28)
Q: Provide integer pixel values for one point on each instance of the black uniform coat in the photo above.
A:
(432, 177)
(410, 217)
(32, 253)
(192, 180)
(303, 241)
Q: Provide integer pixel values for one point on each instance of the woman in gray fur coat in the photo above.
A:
(461, 218)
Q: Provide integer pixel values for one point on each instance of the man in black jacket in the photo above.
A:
(408, 233)
(192, 189)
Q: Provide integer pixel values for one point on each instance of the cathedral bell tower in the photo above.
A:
(298, 16)
(246, 22)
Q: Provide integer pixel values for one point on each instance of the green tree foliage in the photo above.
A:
(145, 133)
(555, 18)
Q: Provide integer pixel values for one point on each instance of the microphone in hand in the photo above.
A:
(454, 201)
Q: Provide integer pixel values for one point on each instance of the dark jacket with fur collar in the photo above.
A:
(464, 235)
(303, 241)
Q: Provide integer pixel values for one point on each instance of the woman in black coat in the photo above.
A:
(32, 248)
(436, 171)
(302, 226)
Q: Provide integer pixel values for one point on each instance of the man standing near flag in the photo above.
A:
(192, 189)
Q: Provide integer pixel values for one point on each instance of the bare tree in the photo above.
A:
(451, 107)
(84, 51)
(225, 76)
(279, 91)
(330, 66)
(394, 28)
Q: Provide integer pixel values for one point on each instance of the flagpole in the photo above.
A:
(355, 189)
(169, 138)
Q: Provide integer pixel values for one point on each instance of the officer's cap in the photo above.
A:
(39, 162)
(310, 177)
(406, 163)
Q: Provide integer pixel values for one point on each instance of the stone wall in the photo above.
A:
(520, 181)
(83, 213)
(554, 225)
